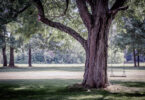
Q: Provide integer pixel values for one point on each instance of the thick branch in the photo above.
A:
(84, 13)
(118, 4)
(118, 9)
(58, 25)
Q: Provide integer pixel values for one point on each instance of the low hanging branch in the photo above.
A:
(70, 31)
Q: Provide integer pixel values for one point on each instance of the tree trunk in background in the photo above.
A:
(11, 63)
(30, 57)
(45, 59)
(4, 56)
(138, 60)
(134, 57)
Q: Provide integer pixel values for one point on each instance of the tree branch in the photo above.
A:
(118, 4)
(58, 25)
(84, 13)
(21, 10)
(118, 9)
(67, 3)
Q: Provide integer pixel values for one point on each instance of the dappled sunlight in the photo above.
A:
(52, 83)
(119, 88)
(82, 97)
(56, 89)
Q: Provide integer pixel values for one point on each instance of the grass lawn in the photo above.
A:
(56, 88)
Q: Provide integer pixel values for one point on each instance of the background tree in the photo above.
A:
(14, 41)
(9, 10)
(3, 38)
(29, 26)
(131, 37)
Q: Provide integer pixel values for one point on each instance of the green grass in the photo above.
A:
(130, 84)
(63, 68)
(24, 69)
(57, 90)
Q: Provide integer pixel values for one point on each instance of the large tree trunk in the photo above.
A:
(134, 57)
(95, 75)
(4, 56)
(11, 63)
(30, 57)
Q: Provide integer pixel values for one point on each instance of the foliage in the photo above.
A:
(3, 36)
(131, 36)
(9, 10)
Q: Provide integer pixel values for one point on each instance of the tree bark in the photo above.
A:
(11, 63)
(95, 75)
(134, 57)
(30, 57)
(138, 60)
(4, 56)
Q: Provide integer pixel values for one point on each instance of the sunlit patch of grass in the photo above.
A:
(82, 97)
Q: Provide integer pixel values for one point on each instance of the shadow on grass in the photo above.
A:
(57, 90)
(127, 68)
(129, 83)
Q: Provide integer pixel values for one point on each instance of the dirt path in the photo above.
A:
(41, 75)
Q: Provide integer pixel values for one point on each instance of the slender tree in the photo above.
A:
(30, 56)
(134, 56)
(3, 44)
(12, 43)
(4, 56)
(10, 9)
(11, 62)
